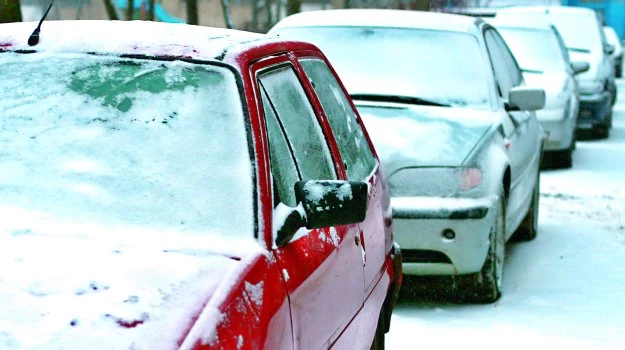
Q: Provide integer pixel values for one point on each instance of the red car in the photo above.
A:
(172, 186)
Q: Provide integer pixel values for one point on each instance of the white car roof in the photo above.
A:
(380, 18)
(538, 22)
(124, 37)
(546, 10)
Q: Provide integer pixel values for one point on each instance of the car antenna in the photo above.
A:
(34, 37)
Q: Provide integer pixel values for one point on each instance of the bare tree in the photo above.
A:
(10, 11)
(225, 5)
(130, 10)
(423, 5)
(110, 10)
(293, 6)
(192, 15)
(151, 3)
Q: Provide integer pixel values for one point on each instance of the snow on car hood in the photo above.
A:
(423, 135)
(76, 286)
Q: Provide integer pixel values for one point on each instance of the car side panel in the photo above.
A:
(246, 311)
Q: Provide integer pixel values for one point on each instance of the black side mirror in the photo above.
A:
(580, 67)
(325, 203)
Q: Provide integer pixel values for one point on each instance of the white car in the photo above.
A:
(445, 104)
(583, 36)
(617, 54)
(545, 63)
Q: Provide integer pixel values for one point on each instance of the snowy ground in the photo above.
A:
(565, 289)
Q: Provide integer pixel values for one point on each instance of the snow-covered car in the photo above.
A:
(545, 63)
(583, 36)
(617, 50)
(172, 186)
(453, 123)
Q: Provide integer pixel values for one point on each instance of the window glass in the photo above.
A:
(427, 68)
(125, 144)
(536, 50)
(511, 64)
(299, 122)
(357, 157)
(501, 73)
(283, 168)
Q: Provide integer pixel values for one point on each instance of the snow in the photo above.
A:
(116, 228)
(565, 289)
(124, 37)
(255, 292)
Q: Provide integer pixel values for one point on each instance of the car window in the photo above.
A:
(565, 52)
(283, 167)
(353, 146)
(504, 80)
(125, 144)
(428, 58)
(297, 119)
(509, 60)
(535, 50)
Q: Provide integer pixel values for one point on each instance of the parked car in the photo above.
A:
(453, 122)
(583, 36)
(173, 186)
(617, 54)
(545, 63)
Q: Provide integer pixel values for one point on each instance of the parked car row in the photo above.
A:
(174, 186)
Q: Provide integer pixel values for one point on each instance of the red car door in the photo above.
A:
(359, 162)
(322, 268)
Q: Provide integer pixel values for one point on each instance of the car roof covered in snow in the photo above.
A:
(534, 22)
(380, 18)
(545, 9)
(129, 38)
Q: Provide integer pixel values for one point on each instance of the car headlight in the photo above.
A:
(590, 87)
(436, 181)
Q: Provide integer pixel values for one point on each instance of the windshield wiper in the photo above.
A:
(577, 49)
(534, 71)
(398, 99)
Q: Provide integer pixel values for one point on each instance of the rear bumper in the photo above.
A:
(420, 225)
(594, 110)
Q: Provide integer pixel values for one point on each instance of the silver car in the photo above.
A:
(617, 50)
(585, 41)
(451, 119)
(545, 63)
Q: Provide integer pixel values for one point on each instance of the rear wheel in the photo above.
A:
(485, 286)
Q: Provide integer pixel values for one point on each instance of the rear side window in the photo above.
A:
(297, 119)
(353, 146)
(498, 60)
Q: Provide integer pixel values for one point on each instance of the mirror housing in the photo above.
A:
(322, 203)
(331, 202)
(609, 49)
(522, 98)
(580, 67)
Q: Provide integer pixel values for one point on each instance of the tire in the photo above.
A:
(378, 339)
(529, 226)
(485, 286)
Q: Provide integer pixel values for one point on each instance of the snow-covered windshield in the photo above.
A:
(124, 143)
(580, 32)
(440, 66)
(534, 49)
